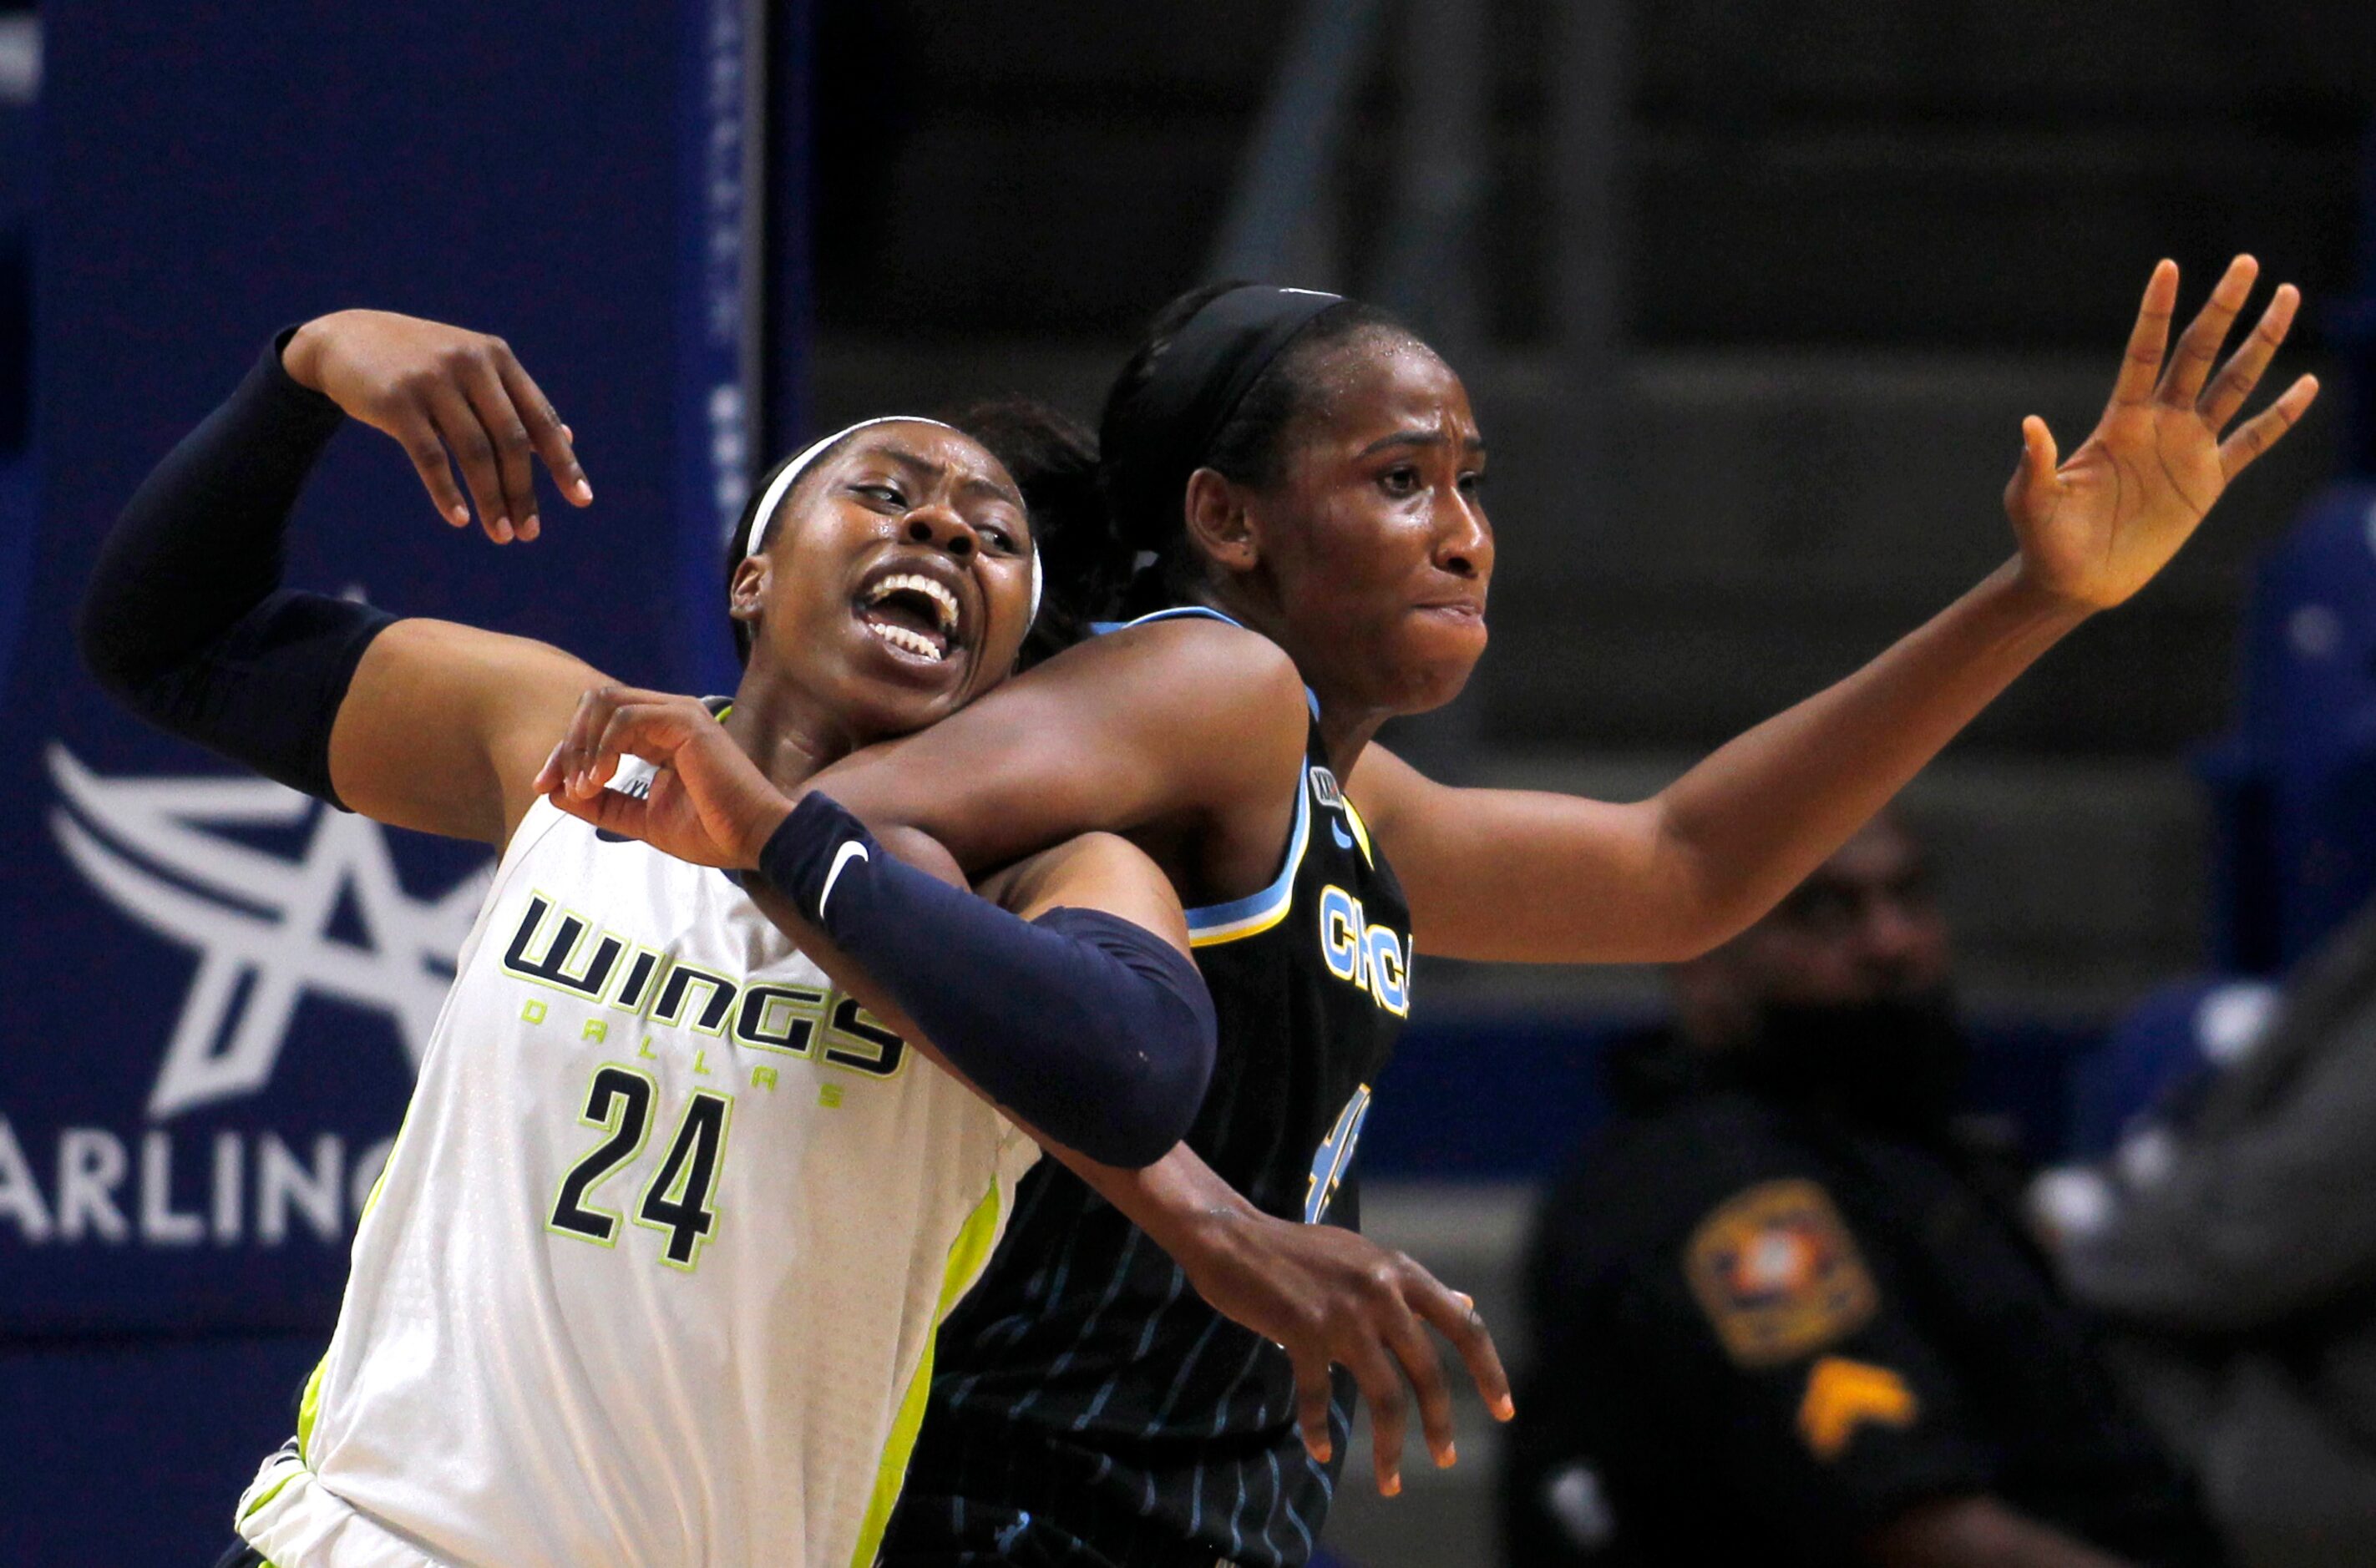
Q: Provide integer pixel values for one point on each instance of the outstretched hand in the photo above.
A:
(438, 389)
(707, 803)
(1330, 1298)
(2095, 530)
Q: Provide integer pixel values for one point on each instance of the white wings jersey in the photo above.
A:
(654, 1269)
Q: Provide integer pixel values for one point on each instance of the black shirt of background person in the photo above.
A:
(1925, 1356)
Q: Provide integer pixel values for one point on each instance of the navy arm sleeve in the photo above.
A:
(1086, 1026)
(186, 622)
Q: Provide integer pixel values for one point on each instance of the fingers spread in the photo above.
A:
(2143, 363)
(570, 758)
(649, 730)
(2198, 346)
(2227, 395)
(575, 764)
(545, 432)
(612, 723)
(2267, 428)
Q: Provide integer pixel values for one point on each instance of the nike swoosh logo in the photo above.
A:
(853, 850)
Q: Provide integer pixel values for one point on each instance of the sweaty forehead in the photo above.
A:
(920, 445)
(1382, 377)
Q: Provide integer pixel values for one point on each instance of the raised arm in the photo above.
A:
(424, 724)
(1671, 876)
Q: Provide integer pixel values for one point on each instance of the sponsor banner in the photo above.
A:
(720, 238)
(219, 988)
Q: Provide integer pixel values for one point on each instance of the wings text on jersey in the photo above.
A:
(557, 947)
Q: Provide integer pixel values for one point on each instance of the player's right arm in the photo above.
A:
(1186, 736)
(424, 724)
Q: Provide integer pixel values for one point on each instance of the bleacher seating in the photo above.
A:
(2294, 787)
(2158, 1055)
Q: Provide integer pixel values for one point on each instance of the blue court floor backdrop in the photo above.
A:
(217, 987)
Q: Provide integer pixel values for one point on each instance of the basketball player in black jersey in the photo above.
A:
(1306, 472)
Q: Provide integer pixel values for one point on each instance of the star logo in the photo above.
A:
(260, 923)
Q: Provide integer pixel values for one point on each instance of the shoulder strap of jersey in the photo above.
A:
(1194, 611)
(1177, 612)
(1255, 912)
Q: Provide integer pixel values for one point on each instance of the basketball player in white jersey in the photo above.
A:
(653, 1271)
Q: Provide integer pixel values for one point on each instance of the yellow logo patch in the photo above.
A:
(1776, 1274)
(1843, 1395)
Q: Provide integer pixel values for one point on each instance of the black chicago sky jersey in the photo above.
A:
(1088, 1407)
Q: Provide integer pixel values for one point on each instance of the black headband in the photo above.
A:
(1196, 385)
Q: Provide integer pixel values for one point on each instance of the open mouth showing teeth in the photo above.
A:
(912, 613)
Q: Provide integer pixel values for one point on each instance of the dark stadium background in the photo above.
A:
(1751, 297)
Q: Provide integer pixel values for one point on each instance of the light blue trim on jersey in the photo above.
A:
(1194, 611)
(1256, 912)
(1176, 613)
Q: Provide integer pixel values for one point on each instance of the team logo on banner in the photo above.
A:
(260, 923)
(282, 900)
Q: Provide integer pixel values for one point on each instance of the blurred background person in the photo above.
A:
(1785, 1306)
(2233, 1238)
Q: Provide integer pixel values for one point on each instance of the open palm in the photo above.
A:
(2095, 530)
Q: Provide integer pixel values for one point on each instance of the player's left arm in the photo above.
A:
(1672, 876)
(186, 620)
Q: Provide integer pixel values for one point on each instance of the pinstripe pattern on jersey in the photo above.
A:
(1091, 1411)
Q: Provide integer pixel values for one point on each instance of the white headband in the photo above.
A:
(790, 475)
